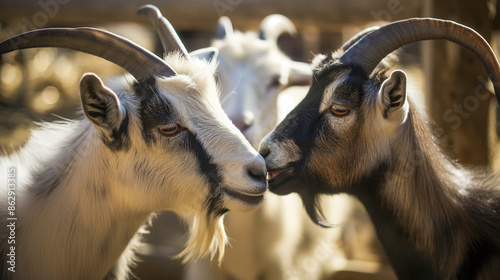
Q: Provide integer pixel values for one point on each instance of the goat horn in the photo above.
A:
(371, 49)
(354, 39)
(168, 37)
(274, 25)
(138, 61)
(224, 28)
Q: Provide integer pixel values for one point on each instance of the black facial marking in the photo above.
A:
(154, 110)
(145, 87)
(214, 201)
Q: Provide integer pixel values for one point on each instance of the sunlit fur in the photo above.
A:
(435, 219)
(80, 203)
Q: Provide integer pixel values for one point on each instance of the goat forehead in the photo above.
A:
(249, 53)
(177, 100)
(340, 85)
(254, 66)
(242, 45)
(188, 94)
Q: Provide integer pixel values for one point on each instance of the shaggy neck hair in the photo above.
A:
(420, 200)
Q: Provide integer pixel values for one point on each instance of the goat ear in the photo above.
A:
(300, 74)
(393, 96)
(207, 54)
(100, 104)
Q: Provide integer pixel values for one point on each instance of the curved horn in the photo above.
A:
(274, 25)
(372, 48)
(138, 61)
(224, 28)
(354, 39)
(168, 37)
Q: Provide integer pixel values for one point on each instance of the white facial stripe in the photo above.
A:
(329, 92)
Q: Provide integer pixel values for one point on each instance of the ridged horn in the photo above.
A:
(138, 61)
(372, 48)
(354, 39)
(274, 25)
(168, 37)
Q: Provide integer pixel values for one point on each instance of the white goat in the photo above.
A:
(253, 72)
(83, 188)
(357, 132)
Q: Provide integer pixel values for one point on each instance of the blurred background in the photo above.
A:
(42, 84)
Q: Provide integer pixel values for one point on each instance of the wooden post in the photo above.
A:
(457, 100)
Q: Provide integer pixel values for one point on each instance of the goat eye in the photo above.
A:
(169, 129)
(339, 110)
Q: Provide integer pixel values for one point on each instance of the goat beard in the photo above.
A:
(313, 209)
(207, 236)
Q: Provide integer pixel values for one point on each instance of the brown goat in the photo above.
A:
(357, 132)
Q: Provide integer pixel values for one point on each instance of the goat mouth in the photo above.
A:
(246, 198)
(278, 177)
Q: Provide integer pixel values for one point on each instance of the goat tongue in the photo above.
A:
(273, 174)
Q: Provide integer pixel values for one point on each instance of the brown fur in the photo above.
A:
(436, 220)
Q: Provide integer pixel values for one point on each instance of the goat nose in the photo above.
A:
(257, 173)
(264, 150)
(243, 121)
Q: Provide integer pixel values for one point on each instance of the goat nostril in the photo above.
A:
(264, 150)
(257, 173)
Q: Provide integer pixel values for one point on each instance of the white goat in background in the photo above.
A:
(84, 188)
(253, 73)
